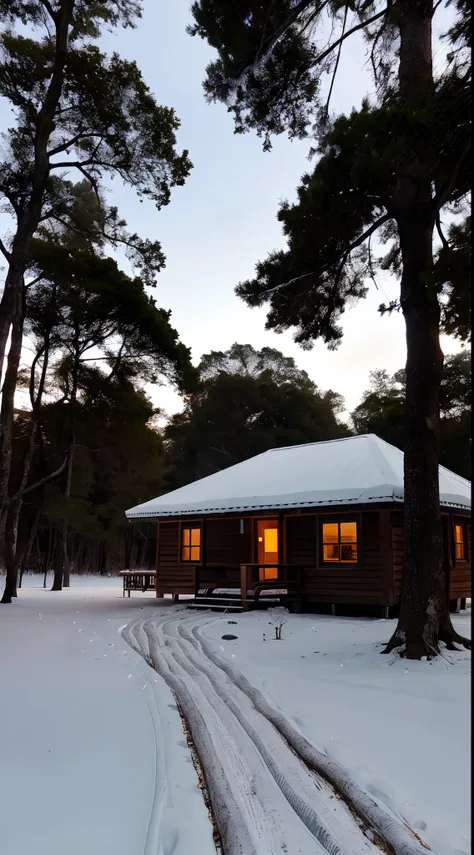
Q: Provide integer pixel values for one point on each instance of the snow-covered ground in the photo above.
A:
(399, 730)
(93, 758)
(94, 755)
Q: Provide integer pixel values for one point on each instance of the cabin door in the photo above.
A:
(268, 552)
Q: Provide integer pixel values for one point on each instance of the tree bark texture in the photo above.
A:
(7, 531)
(28, 217)
(11, 516)
(424, 611)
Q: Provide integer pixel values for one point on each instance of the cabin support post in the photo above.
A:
(244, 587)
(196, 581)
(333, 608)
(386, 560)
(386, 612)
(157, 587)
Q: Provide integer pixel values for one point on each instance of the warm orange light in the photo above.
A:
(267, 533)
(191, 544)
(459, 543)
(340, 543)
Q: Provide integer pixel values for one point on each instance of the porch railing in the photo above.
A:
(253, 583)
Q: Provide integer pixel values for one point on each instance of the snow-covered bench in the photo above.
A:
(138, 580)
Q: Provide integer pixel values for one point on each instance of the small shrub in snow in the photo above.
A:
(279, 623)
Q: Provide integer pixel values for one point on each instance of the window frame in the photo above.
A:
(338, 518)
(465, 542)
(185, 526)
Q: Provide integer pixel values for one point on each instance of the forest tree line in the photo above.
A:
(123, 449)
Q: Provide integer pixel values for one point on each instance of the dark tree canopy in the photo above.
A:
(249, 401)
(96, 305)
(118, 463)
(382, 411)
(272, 59)
(78, 113)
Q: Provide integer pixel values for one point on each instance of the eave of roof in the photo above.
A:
(177, 512)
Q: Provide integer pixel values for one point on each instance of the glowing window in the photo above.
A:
(339, 542)
(191, 543)
(460, 542)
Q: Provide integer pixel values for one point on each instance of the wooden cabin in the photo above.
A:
(322, 522)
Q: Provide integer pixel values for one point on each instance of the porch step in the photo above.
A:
(217, 604)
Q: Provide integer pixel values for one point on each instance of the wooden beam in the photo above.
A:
(386, 558)
(157, 588)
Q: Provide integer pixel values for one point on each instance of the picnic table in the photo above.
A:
(138, 580)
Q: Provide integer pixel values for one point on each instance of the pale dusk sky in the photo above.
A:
(223, 220)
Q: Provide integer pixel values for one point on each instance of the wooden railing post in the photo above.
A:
(244, 586)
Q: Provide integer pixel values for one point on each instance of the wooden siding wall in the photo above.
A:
(337, 583)
(301, 540)
(398, 549)
(225, 549)
(460, 574)
(225, 544)
(173, 577)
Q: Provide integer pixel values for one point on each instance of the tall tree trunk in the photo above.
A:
(424, 611)
(22, 560)
(11, 304)
(61, 561)
(12, 517)
(7, 536)
(49, 552)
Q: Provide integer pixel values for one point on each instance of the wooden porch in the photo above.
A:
(261, 585)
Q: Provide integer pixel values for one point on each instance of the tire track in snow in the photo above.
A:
(394, 830)
(261, 818)
(265, 799)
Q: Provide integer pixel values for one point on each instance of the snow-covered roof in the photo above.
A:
(352, 471)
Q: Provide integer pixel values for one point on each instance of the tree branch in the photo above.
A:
(360, 240)
(359, 26)
(38, 355)
(94, 184)
(40, 483)
(264, 47)
(64, 146)
(49, 9)
(440, 232)
(5, 251)
(34, 281)
(71, 164)
(442, 195)
(346, 9)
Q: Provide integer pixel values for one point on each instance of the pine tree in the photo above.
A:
(76, 110)
(395, 169)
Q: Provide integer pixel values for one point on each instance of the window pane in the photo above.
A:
(330, 532)
(348, 532)
(195, 553)
(330, 552)
(195, 537)
(186, 536)
(186, 553)
(460, 542)
(349, 552)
